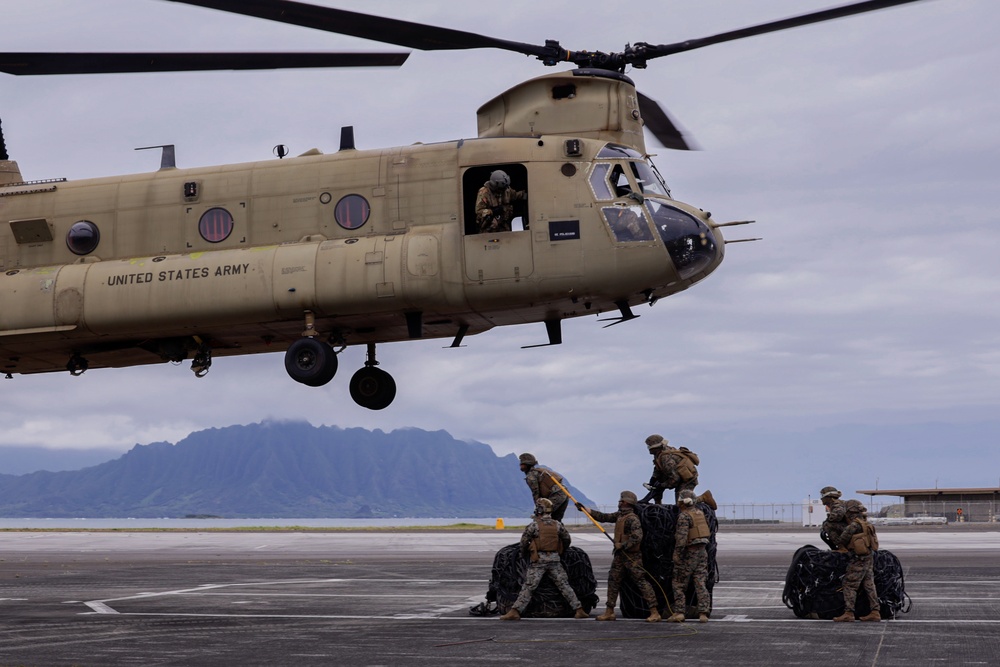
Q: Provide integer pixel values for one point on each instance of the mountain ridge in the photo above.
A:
(283, 470)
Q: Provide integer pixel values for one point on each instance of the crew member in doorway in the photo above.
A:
(495, 203)
(544, 539)
(542, 483)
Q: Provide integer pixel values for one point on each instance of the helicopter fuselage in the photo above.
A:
(358, 246)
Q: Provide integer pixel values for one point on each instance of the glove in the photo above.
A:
(647, 486)
(579, 506)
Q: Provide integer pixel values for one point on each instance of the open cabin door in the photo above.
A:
(502, 254)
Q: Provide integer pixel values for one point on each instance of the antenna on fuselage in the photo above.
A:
(9, 173)
(167, 157)
(3, 146)
(347, 138)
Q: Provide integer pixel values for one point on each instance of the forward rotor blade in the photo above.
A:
(659, 123)
(109, 63)
(389, 31)
(658, 51)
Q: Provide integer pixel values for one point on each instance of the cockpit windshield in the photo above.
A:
(689, 241)
(610, 180)
(649, 179)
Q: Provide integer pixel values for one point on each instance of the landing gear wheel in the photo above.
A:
(373, 388)
(311, 362)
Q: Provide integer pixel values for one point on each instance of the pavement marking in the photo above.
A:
(100, 608)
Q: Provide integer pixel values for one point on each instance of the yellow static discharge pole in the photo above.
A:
(584, 509)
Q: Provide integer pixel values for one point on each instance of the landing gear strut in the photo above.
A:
(372, 387)
(77, 365)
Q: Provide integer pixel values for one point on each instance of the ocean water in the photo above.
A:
(125, 524)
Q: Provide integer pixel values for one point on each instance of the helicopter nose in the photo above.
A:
(690, 242)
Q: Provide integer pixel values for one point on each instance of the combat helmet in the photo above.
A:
(543, 506)
(499, 181)
(829, 492)
(629, 497)
(655, 441)
(855, 506)
(528, 459)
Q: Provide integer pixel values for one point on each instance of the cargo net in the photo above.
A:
(658, 524)
(813, 585)
(509, 570)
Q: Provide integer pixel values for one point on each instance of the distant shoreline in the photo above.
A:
(477, 527)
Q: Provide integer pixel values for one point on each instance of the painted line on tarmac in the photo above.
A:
(733, 618)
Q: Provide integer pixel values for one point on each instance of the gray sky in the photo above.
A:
(866, 149)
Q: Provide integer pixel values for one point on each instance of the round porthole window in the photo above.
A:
(352, 211)
(83, 237)
(215, 225)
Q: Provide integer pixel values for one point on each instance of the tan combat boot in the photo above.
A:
(708, 500)
(654, 615)
(703, 618)
(677, 617)
(512, 615)
(871, 616)
(581, 613)
(846, 617)
(608, 615)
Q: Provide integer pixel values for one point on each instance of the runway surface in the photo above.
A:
(402, 598)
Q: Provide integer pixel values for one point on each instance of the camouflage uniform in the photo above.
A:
(665, 470)
(627, 556)
(860, 570)
(690, 562)
(540, 480)
(547, 562)
(495, 211)
(836, 520)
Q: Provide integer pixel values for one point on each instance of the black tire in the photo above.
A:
(311, 362)
(373, 388)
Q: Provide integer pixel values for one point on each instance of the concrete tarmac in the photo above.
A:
(403, 598)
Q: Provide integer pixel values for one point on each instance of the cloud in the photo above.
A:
(864, 148)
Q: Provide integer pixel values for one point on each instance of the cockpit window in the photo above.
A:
(627, 223)
(616, 151)
(649, 181)
(619, 181)
(599, 181)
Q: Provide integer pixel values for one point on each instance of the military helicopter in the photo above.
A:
(311, 254)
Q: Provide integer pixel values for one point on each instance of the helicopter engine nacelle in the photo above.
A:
(591, 103)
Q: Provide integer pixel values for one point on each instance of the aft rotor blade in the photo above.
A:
(658, 51)
(389, 31)
(110, 63)
(659, 123)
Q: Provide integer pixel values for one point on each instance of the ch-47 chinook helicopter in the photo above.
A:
(317, 252)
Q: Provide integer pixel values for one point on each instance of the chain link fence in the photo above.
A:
(812, 513)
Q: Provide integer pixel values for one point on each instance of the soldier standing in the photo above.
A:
(545, 539)
(672, 468)
(542, 483)
(861, 543)
(627, 555)
(690, 558)
(836, 517)
(495, 203)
